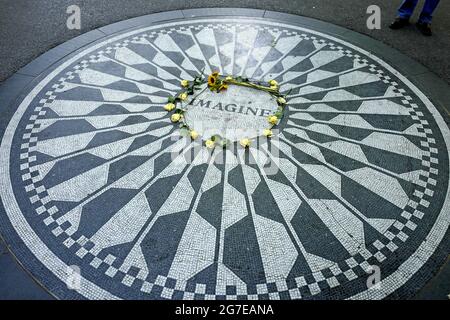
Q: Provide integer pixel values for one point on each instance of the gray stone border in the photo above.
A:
(14, 88)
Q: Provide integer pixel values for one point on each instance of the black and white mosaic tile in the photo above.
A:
(88, 177)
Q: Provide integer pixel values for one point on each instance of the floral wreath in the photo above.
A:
(217, 83)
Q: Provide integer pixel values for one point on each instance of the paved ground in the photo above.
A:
(28, 29)
(43, 295)
(15, 283)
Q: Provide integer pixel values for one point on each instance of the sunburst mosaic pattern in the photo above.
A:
(361, 170)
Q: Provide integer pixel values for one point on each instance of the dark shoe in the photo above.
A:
(424, 28)
(399, 23)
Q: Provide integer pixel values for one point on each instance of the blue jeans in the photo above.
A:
(407, 7)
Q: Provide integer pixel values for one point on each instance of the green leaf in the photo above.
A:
(216, 138)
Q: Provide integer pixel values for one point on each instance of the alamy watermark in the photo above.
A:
(263, 152)
(374, 280)
(372, 22)
(74, 19)
(73, 277)
(374, 19)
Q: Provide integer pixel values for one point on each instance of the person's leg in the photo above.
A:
(406, 9)
(425, 17)
(404, 12)
(427, 11)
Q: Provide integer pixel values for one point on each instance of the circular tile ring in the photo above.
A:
(283, 289)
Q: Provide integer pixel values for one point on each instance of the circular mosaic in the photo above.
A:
(353, 183)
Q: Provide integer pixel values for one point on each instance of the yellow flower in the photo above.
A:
(183, 96)
(267, 133)
(272, 120)
(274, 87)
(281, 100)
(184, 83)
(273, 83)
(175, 117)
(211, 81)
(209, 144)
(245, 142)
(169, 107)
(229, 78)
(212, 78)
(194, 134)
